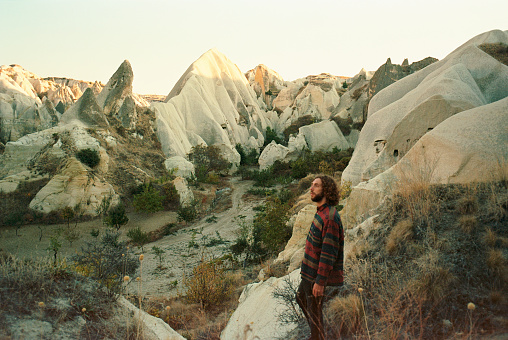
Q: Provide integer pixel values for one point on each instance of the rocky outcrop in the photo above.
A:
(211, 104)
(250, 322)
(184, 192)
(266, 83)
(405, 111)
(21, 110)
(444, 124)
(179, 166)
(324, 136)
(389, 73)
(75, 187)
(86, 112)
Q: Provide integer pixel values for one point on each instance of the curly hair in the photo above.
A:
(330, 189)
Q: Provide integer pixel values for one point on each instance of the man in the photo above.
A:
(322, 265)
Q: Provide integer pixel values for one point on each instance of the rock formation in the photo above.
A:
(448, 121)
(211, 104)
(249, 321)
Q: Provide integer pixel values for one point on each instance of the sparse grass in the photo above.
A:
(468, 223)
(444, 251)
(401, 233)
(39, 290)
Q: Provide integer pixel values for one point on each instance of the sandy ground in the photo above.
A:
(178, 259)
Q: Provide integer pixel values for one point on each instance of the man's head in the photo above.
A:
(324, 190)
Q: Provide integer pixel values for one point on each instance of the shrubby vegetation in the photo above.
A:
(106, 260)
(89, 157)
(207, 161)
(309, 162)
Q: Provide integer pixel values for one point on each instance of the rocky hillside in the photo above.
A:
(111, 127)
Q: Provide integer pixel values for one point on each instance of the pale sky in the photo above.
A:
(89, 39)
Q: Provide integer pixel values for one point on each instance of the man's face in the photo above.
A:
(316, 190)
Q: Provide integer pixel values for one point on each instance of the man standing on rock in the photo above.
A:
(322, 265)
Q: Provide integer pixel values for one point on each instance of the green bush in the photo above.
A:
(138, 237)
(89, 157)
(207, 159)
(116, 217)
(250, 158)
(271, 135)
(107, 260)
(149, 200)
(187, 213)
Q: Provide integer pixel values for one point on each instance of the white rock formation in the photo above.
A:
(180, 166)
(74, 186)
(402, 113)
(256, 315)
(211, 104)
(185, 193)
(271, 153)
(152, 328)
(266, 83)
(324, 136)
(294, 250)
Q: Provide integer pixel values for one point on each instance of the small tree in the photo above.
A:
(149, 200)
(55, 244)
(159, 253)
(68, 214)
(116, 217)
(138, 237)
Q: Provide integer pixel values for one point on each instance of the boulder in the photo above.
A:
(181, 166)
(185, 193)
(271, 153)
(324, 136)
(257, 314)
(73, 187)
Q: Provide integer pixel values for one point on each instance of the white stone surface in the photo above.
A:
(324, 136)
(183, 167)
(256, 315)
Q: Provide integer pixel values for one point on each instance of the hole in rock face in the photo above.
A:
(395, 153)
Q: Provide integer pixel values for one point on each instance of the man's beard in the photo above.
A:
(317, 198)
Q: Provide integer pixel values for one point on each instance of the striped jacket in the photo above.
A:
(324, 249)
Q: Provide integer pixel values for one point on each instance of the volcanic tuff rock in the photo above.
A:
(249, 321)
(86, 112)
(211, 104)
(266, 83)
(448, 120)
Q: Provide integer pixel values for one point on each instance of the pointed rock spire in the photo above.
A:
(118, 87)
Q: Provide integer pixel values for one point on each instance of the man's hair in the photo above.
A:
(330, 189)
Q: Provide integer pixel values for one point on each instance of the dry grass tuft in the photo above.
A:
(401, 233)
(346, 314)
(468, 223)
(490, 237)
(467, 205)
(496, 261)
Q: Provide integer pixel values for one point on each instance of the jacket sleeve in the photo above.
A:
(333, 242)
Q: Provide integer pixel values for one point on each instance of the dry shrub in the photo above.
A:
(401, 232)
(346, 314)
(468, 223)
(276, 269)
(467, 205)
(209, 285)
(433, 280)
(496, 261)
(490, 237)
(415, 194)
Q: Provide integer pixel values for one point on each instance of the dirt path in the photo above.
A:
(183, 251)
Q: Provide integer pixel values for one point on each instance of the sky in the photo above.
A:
(89, 39)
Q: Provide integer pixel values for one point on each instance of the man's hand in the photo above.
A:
(318, 290)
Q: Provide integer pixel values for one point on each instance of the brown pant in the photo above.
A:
(312, 307)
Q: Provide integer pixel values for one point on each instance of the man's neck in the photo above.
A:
(320, 203)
